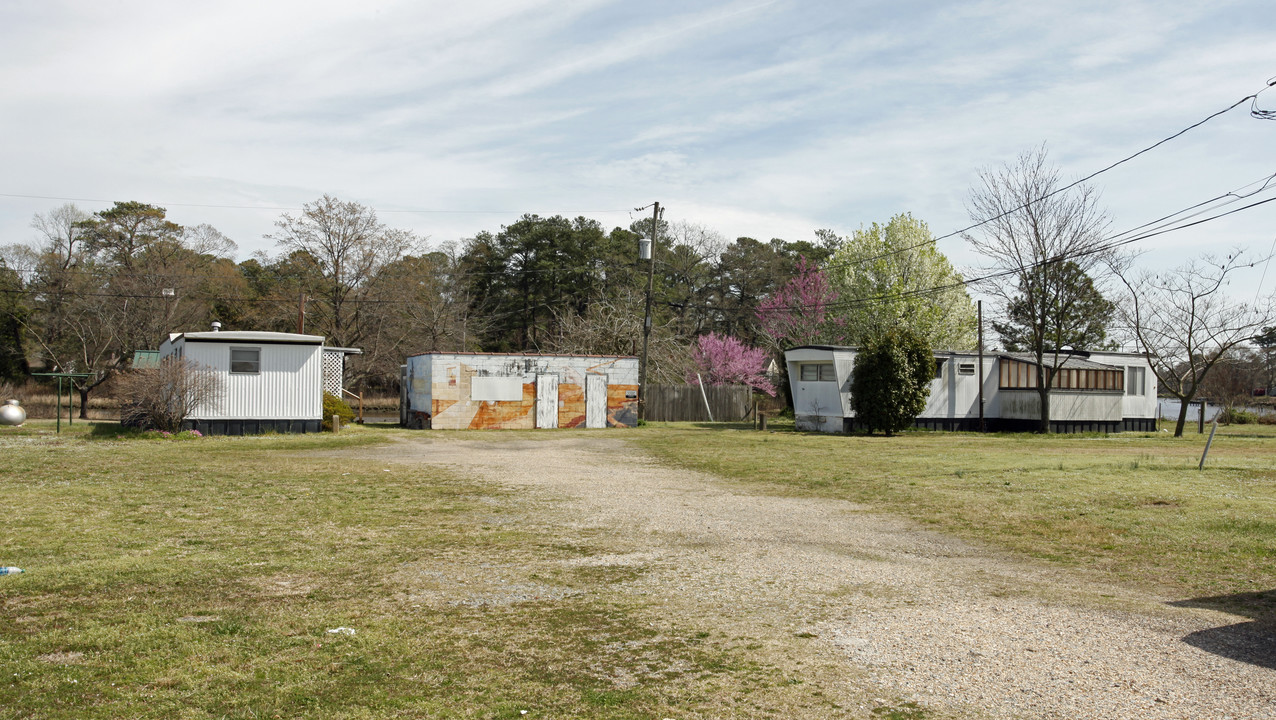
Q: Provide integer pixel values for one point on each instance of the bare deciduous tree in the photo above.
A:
(204, 239)
(613, 327)
(414, 305)
(161, 398)
(1186, 323)
(61, 229)
(347, 245)
(1233, 380)
(1033, 229)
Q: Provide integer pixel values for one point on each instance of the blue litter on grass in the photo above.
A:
(10, 570)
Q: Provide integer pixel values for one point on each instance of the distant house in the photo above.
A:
(1093, 391)
(269, 381)
(457, 391)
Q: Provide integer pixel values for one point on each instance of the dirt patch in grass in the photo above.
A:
(62, 658)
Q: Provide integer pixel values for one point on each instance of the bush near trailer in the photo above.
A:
(891, 381)
(161, 398)
(333, 405)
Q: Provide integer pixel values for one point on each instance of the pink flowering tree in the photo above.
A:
(798, 313)
(724, 360)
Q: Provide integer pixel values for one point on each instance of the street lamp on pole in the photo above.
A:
(168, 294)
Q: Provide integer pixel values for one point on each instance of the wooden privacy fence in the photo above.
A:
(683, 403)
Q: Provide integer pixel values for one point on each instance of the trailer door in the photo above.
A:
(595, 401)
(546, 401)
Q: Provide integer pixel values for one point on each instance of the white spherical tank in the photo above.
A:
(11, 413)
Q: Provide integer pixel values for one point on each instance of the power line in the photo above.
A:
(1111, 243)
(1254, 112)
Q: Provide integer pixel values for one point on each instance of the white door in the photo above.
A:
(595, 401)
(546, 401)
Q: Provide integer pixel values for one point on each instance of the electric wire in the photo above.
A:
(1111, 243)
(1253, 99)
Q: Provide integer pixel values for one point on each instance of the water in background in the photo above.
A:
(1168, 408)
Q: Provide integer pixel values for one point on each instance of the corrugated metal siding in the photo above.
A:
(287, 388)
(1065, 405)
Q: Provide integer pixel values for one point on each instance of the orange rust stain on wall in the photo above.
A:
(438, 405)
(507, 415)
(622, 411)
(571, 407)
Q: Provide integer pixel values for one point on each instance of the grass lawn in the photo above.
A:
(1131, 506)
(202, 579)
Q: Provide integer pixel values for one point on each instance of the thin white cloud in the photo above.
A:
(761, 119)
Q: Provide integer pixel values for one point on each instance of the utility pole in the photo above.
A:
(301, 314)
(980, 305)
(646, 323)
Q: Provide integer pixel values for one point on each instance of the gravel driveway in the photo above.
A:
(899, 612)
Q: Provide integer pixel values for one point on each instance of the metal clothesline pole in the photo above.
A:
(70, 377)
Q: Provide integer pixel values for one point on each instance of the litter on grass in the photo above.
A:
(341, 631)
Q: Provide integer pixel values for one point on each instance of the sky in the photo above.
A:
(751, 118)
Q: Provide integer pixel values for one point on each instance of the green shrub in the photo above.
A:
(891, 381)
(1236, 416)
(333, 405)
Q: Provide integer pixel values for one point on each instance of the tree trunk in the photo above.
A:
(84, 403)
(1178, 429)
(1044, 393)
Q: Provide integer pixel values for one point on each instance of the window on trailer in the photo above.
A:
(822, 372)
(1135, 377)
(245, 360)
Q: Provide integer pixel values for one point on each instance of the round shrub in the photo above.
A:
(333, 405)
(891, 381)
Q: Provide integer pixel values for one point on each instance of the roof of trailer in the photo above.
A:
(528, 355)
(1076, 359)
(240, 336)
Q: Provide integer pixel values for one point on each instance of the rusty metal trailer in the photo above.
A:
(482, 391)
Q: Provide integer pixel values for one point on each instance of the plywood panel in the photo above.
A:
(496, 389)
(571, 405)
(622, 405)
(546, 401)
(595, 401)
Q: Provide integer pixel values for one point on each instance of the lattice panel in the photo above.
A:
(334, 365)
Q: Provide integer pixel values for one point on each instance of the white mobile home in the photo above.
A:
(1093, 391)
(268, 381)
(457, 391)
